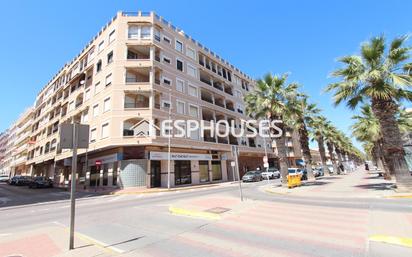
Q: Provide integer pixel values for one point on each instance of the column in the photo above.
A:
(194, 166)
(101, 176)
(210, 171)
(152, 52)
(110, 175)
(224, 167)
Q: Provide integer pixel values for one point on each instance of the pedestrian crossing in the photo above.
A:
(274, 229)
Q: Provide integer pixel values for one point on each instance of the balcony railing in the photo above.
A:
(136, 105)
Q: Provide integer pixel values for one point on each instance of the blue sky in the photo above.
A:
(300, 37)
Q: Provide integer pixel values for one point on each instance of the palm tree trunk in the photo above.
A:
(392, 142)
(304, 144)
(339, 154)
(332, 157)
(282, 154)
(321, 146)
(380, 160)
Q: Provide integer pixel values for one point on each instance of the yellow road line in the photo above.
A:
(399, 196)
(402, 241)
(192, 213)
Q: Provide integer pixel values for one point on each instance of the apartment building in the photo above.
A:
(4, 137)
(136, 72)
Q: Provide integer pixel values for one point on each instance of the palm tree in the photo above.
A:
(331, 134)
(366, 129)
(317, 132)
(303, 114)
(271, 100)
(382, 77)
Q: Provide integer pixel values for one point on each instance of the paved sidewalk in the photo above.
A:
(358, 184)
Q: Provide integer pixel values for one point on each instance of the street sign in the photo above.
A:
(265, 159)
(66, 136)
(98, 162)
(266, 165)
(232, 163)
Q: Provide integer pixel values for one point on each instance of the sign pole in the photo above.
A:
(235, 151)
(73, 187)
(169, 139)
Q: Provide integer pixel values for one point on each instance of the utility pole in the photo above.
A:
(235, 153)
(169, 139)
(73, 187)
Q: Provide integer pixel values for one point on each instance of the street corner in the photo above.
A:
(48, 241)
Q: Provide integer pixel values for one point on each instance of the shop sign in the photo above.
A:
(179, 156)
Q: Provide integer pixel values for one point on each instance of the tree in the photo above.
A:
(302, 114)
(271, 100)
(330, 135)
(317, 132)
(382, 75)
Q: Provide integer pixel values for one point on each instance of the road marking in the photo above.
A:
(192, 213)
(106, 247)
(403, 241)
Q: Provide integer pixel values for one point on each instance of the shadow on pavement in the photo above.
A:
(377, 186)
(329, 178)
(315, 183)
(15, 196)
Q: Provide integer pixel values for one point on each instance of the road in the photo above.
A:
(265, 225)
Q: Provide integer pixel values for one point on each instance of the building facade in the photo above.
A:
(136, 72)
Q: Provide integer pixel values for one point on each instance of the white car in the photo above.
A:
(271, 173)
(4, 178)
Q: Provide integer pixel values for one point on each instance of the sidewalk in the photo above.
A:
(358, 184)
(145, 190)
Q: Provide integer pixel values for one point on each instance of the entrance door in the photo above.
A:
(105, 174)
(204, 171)
(155, 179)
(94, 176)
(183, 173)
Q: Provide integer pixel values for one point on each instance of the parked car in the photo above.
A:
(271, 173)
(40, 182)
(4, 178)
(252, 176)
(20, 180)
(317, 172)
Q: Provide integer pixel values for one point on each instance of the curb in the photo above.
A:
(273, 192)
(195, 214)
(402, 241)
(398, 196)
(162, 190)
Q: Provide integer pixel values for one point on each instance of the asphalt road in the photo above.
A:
(142, 223)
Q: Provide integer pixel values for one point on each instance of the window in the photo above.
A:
(145, 32)
(108, 80)
(99, 66)
(85, 116)
(191, 53)
(195, 135)
(110, 57)
(157, 35)
(192, 90)
(191, 70)
(179, 65)
(179, 46)
(95, 110)
(180, 85)
(71, 105)
(166, 104)
(193, 111)
(105, 130)
(87, 94)
(100, 46)
(180, 107)
(111, 36)
(133, 32)
(93, 135)
(167, 40)
(106, 104)
(97, 88)
(166, 59)
(167, 81)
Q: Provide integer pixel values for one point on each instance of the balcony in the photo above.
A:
(208, 115)
(220, 101)
(206, 96)
(135, 101)
(138, 53)
(136, 128)
(230, 105)
(137, 76)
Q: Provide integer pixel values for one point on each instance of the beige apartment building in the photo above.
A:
(137, 67)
